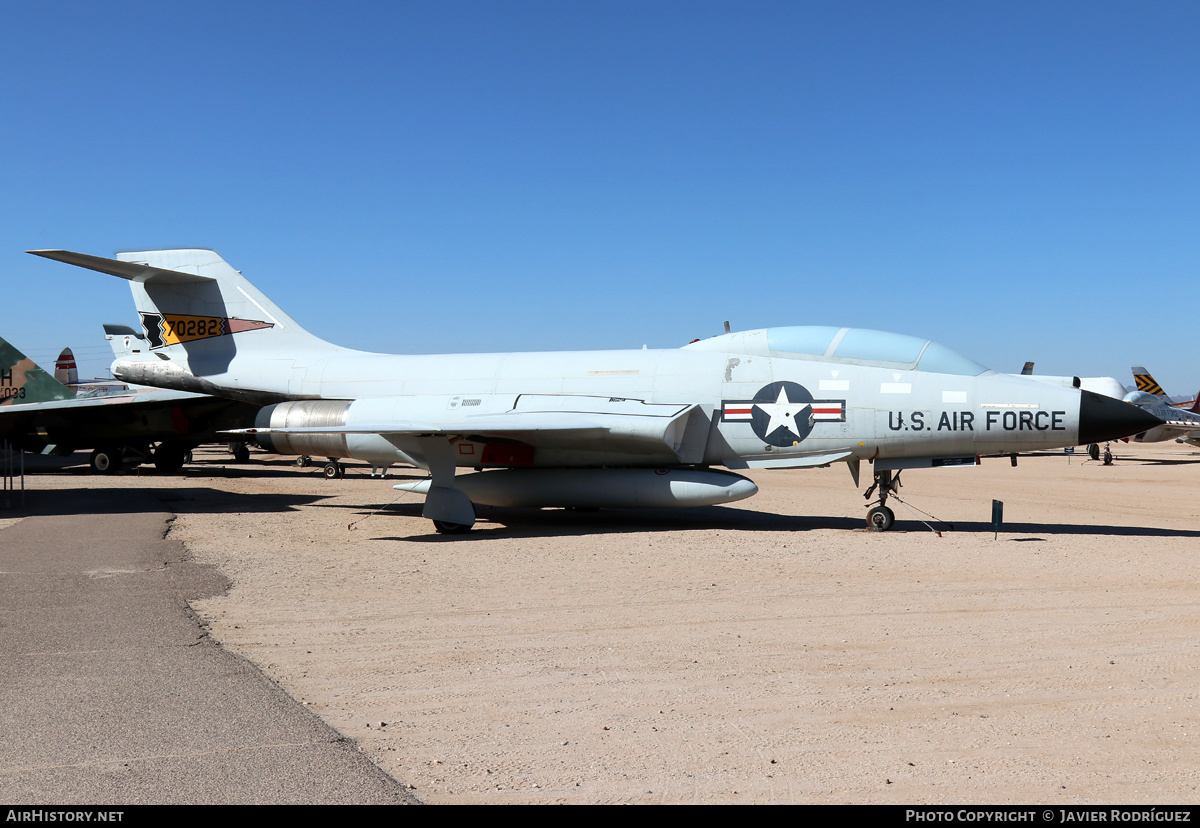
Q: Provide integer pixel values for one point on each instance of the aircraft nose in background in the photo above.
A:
(1103, 418)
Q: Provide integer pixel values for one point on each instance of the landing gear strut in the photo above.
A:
(240, 452)
(881, 517)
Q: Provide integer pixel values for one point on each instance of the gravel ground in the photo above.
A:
(769, 651)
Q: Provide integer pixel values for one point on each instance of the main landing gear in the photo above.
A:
(445, 527)
(1094, 453)
(107, 459)
(881, 518)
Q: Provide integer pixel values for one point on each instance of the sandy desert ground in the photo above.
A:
(767, 652)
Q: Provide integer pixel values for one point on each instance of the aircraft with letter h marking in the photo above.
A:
(594, 428)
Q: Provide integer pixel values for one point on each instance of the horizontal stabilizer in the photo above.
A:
(119, 330)
(133, 271)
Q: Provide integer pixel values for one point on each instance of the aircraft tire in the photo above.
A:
(881, 518)
(168, 459)
(106, 460)
(333, 470)
(1093, 451)
(241, 453)
(446, 528)
(304, 461)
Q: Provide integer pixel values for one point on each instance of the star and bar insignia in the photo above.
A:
(783, 413)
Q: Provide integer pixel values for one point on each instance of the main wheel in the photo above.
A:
(881, 518)
(241, 453)
(168, 459)
(304, 461)
(1093, 451)
(446, 528)
(332, 470)
(106, 460)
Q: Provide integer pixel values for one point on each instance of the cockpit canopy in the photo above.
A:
(855, 346)
(1141, 398)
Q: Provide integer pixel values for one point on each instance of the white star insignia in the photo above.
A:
(783, 412)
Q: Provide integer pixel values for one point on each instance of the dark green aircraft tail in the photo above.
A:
(22, 381)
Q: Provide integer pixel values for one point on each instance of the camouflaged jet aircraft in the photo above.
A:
(595, 428)
(39, 413)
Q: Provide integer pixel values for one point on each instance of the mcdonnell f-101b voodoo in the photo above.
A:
(595, 428)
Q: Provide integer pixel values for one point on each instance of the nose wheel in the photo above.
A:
(881, 518)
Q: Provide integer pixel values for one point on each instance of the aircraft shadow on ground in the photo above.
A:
(513, 523)
(190, 500)
(77, 466)
(1074, 529)
(1138, 460)
(1167, 461)
(534, 523)
(541, 523)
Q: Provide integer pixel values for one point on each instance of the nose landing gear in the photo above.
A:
(881, 517)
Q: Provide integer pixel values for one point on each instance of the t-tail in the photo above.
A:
(197, 315)
(22, 381)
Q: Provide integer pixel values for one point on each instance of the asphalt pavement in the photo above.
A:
(111, 692)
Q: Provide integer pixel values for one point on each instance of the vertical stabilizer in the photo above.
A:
(65, 370)
(218, 303)
(1146, 383)
(22, 381)
(198, 313)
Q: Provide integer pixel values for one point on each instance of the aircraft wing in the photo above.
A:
(1180, 427)
(674, 429)
(155, 398)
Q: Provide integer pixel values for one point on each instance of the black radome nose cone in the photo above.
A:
(1103, 418)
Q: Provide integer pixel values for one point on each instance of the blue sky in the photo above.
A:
(1017, 180)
